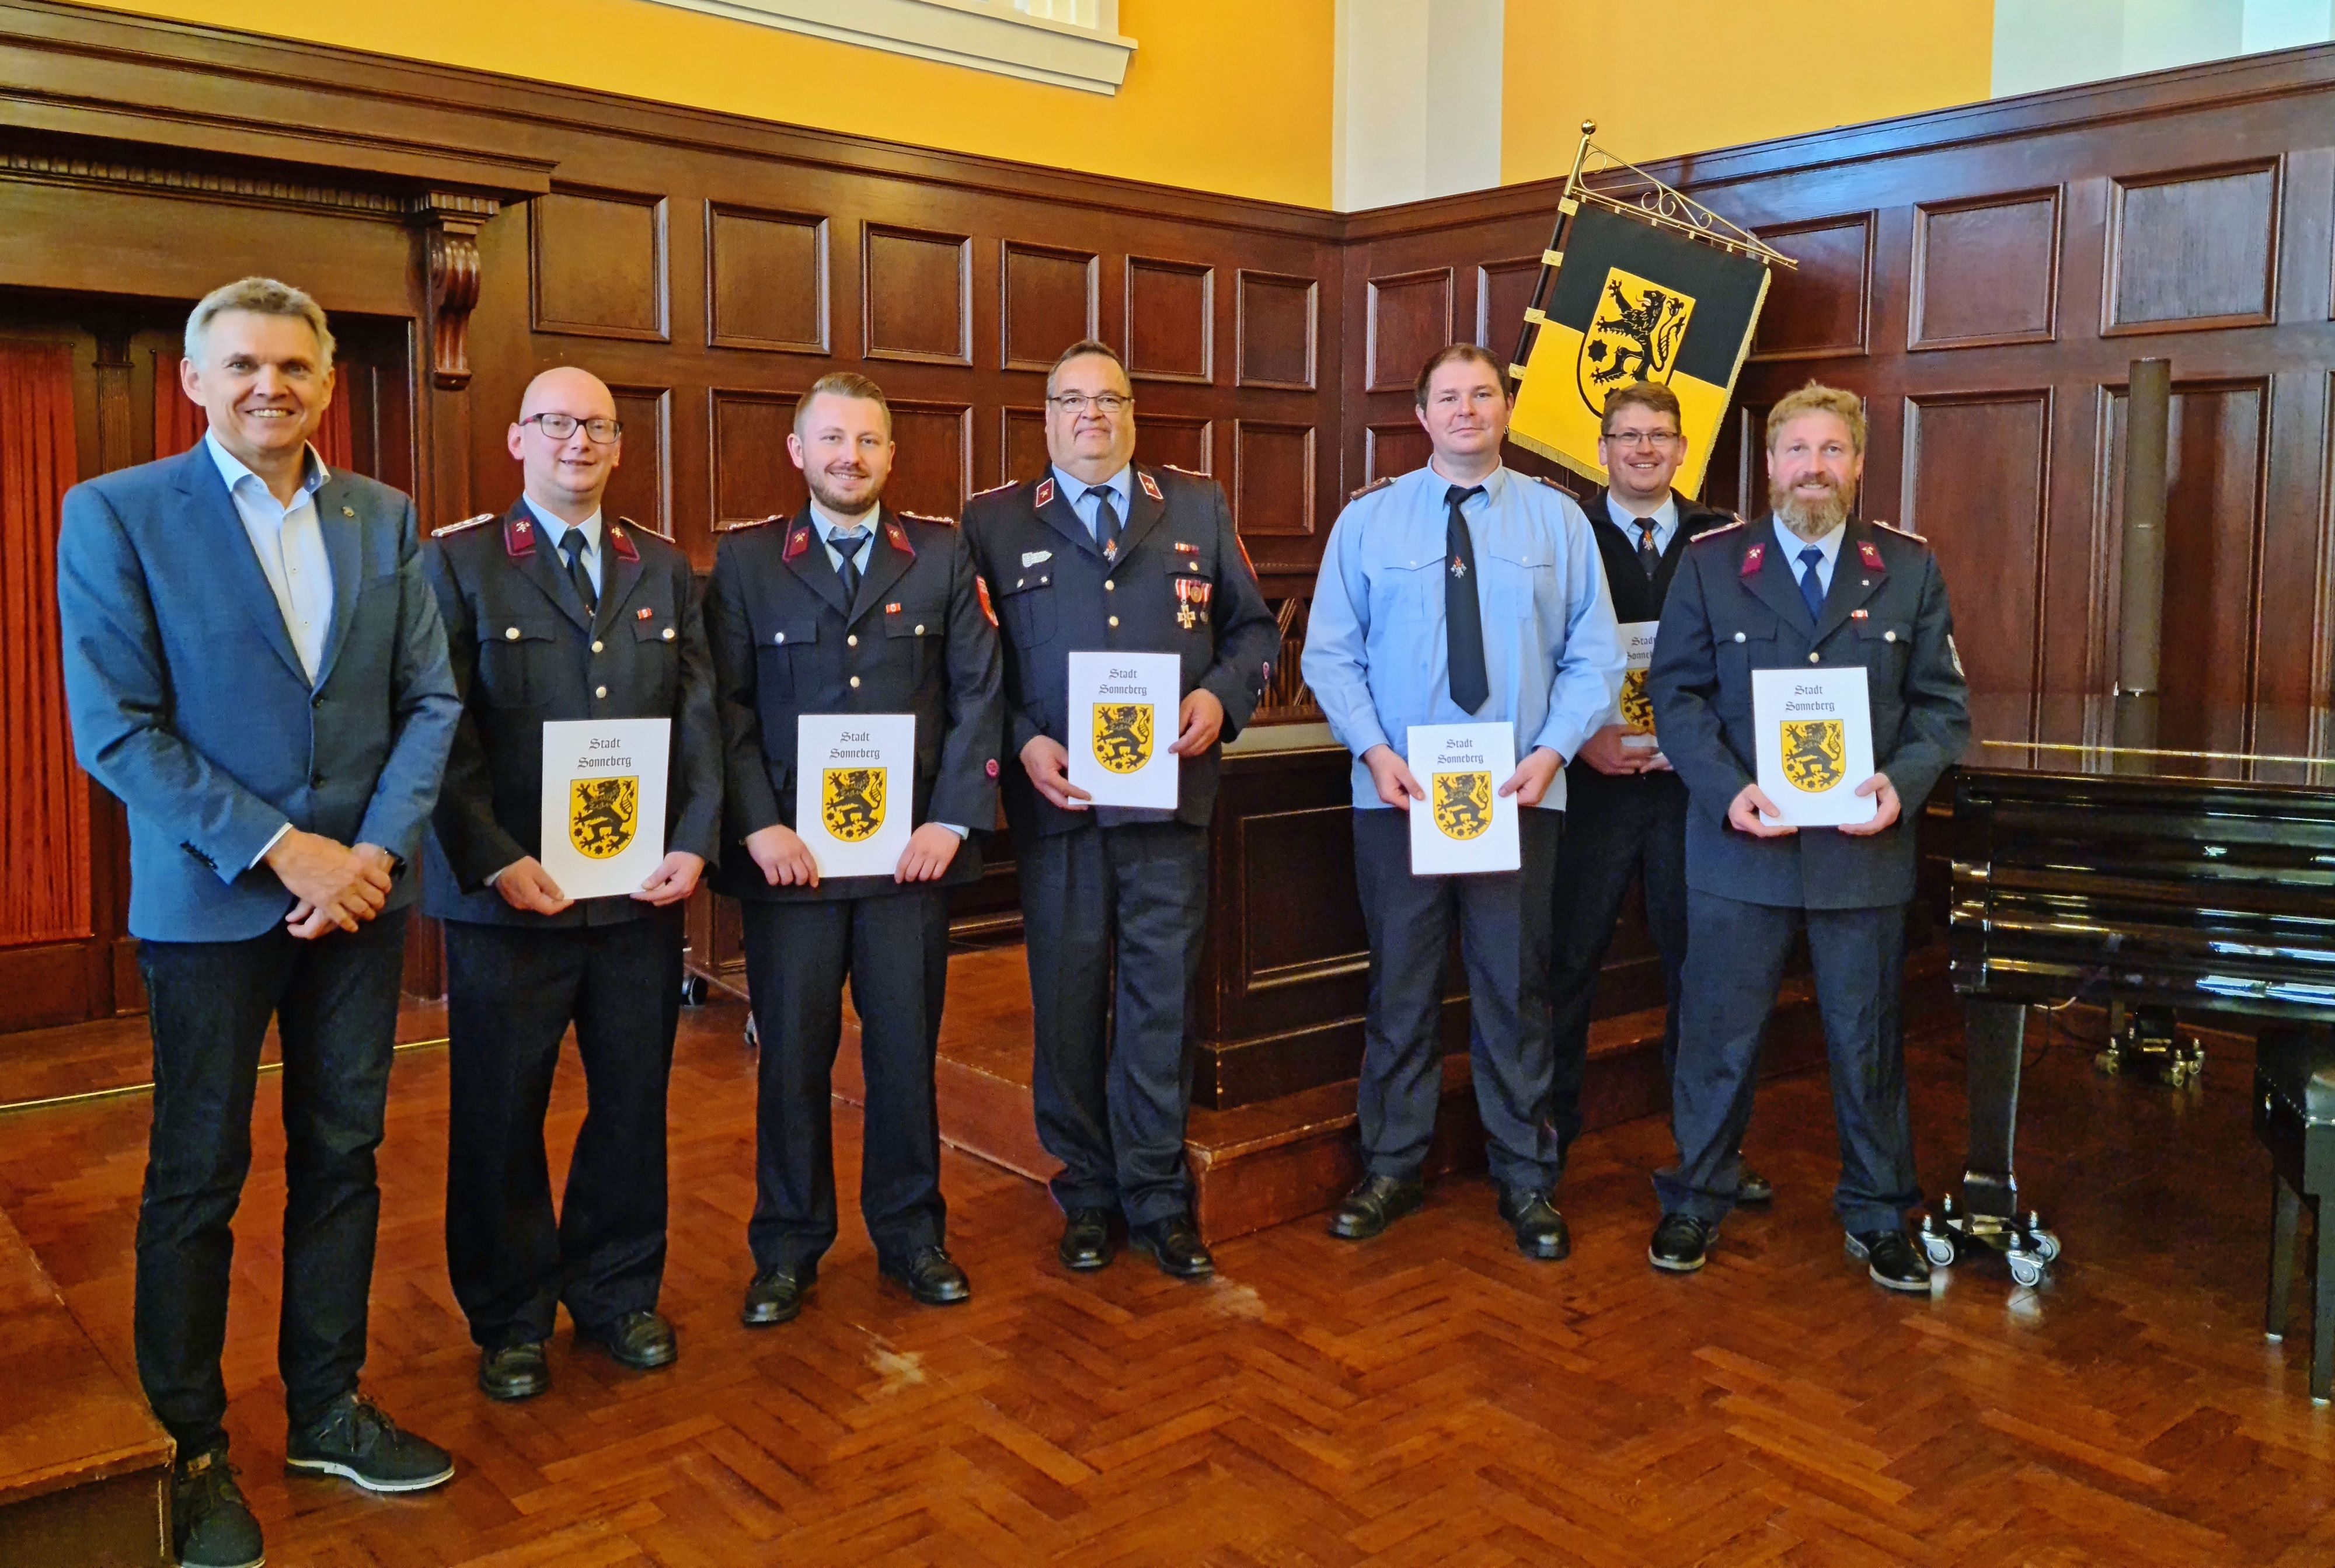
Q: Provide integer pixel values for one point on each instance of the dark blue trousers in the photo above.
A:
(1112, 918)
(511, 992)
(333, 1001)
(1502, 919)
(894, 949)
(1735, 961)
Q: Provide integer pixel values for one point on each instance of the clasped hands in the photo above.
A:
(1198, 722)
(334, 886)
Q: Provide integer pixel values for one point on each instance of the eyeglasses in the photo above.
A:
(1079, 403)
(559, 427)
(1656, 439)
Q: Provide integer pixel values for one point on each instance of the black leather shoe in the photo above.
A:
(1086, 1240)
(355, 1439)
(929, 1275)
(1540, 1229)
(1751, 1188)
(1891, 1259)
(211, 1526)
(1175, 1246)
(1680, 1244)
(1375, 1203)
(641, 1341)
(775, 1297)
(514, 1371)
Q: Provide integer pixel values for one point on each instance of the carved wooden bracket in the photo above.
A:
(450, 222)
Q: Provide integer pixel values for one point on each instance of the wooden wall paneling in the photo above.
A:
(1977, 480)
(2296, 555)
(1048, 300)
(751, 475)
(1272, 478)
(766, 280)
(642, 487)
(1503, 290)
(598, 266)
(2213, 542)
(1022, 443)
(932, 472)
(1394, 447)
(1187, 442)
(1171, 320)
(916, 296)
(1274, 327)
(1985, 271)
(1407, 317)
(1823, 307)
(2193, 251)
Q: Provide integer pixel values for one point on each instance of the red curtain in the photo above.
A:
(44, 798)
(180, 421)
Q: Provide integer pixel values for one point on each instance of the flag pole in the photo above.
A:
(1567, 204)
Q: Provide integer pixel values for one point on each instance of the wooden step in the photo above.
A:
(84, 1468)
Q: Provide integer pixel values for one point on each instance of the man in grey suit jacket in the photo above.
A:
(256, 667)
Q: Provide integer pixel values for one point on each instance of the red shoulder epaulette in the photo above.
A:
(465, 523)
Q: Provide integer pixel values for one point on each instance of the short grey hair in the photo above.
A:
(1081, 350)
(258, 296)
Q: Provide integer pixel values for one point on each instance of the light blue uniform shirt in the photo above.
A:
(555, 528)
(828, 527)
(1375, 651)
(1121, 486)
(1791, 544)
(1665, 521)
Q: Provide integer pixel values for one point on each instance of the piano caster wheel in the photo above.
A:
(2025, 1270)
(1939, 1246)
(692, 990)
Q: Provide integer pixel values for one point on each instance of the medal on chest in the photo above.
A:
(1191, 601)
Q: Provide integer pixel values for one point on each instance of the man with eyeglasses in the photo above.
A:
(554, 612)
(1625, 807)
(1102, 553)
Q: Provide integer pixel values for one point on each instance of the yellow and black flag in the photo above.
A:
(1630, 302)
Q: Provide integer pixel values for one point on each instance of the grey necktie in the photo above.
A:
(571, 545)
(846, 543)
(1650, 555)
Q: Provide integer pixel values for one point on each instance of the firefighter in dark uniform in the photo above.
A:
(1804, 586)
(1099, 554)
(1625, 807)
(554, 612)
(849, 608)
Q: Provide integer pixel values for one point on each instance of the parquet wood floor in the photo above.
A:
(1428, 1398)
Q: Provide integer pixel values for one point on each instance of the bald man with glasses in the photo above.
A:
(553, 611)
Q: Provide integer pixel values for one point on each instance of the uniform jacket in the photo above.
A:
(525, 653)
(1056, 594)
(918, 639)
(1636, 597)
(1735, 608)
(188, 700)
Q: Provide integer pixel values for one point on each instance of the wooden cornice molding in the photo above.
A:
(241, 186)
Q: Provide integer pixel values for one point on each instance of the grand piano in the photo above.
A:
(2105, 853)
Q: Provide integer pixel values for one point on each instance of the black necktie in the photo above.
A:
(571, 545)
(1463, 615)
(1106, 518)
(1650, 555)
(846, 543)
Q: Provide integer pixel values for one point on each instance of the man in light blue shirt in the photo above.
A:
(1462, 592)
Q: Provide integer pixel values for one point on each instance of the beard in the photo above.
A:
(836, 503)
(1809, 519)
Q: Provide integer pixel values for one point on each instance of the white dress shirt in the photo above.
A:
(290, 544)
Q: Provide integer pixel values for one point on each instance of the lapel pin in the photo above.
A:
(348, 511)
(1859, 615)
(647, 613)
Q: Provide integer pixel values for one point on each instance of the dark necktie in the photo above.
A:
(1463, 613)
(571, 545)
(1811, 586)
(1650, 555)
(1106, 518)
(846, 543)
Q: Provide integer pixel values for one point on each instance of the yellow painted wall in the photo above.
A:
(1697, 75)
(1221, 95)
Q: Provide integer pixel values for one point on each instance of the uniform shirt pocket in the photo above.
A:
(1406, 591)
(1026, 601)
(1884, 645)
(1517, 579)
(1745, 641)
(517, 654)
(781, 641)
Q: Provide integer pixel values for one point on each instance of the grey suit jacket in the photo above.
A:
(1734, 608)
(189, 701)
